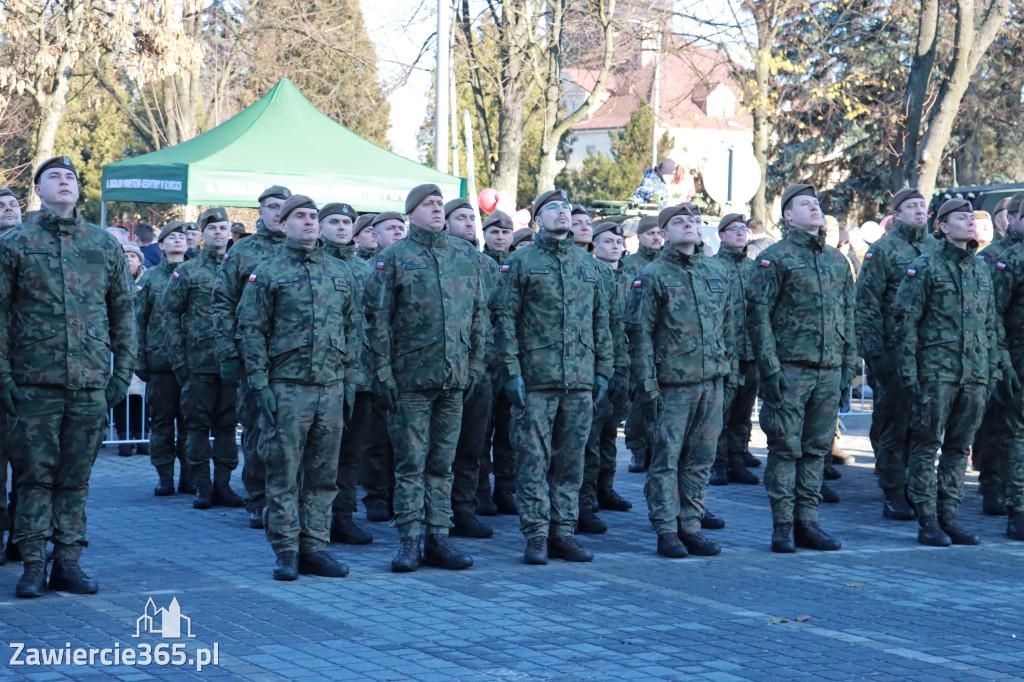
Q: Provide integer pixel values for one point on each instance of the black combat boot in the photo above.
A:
(950, 525)
(287, 566)
(484, 504)
(810, 535)
(990, 504)
(505, 501)
(719, 475)
(589, 523)
(345, 531)
(165, 486)
(608, 498)
(536, 551)
(466, 525)
(737, 473)
(439, 552)
(408, 557)
(699, 544)
(204, 497)
(33, 580)
(669, 545)
(639, 463)
(224, 496)
(828, 495)
(569, 549)
(750, 461)
(782, 538)
(68, 576)
(896, 507)
(377, 511)
(322, 564)
(931, 533)
(830, 473)
(1015, 524)
(186, 482)
(711, 522)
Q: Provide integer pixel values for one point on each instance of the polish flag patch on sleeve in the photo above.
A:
(504, 267)
(225, 256)
(868, 255)
(911, 272)
(139, 287)
(637, 283)
(765, 262)
(252, 277)
(175, 274)
(1000, 265)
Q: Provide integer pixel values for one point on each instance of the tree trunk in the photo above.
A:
(905, 161)
(761, 111)
(51, 111)
(514, 80)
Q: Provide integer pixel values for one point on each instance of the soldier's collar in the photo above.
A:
(674, 254)
(909, 232)
(805, 238)
(422, 235)
(731, 253)
(311, 254)
(69, 225)
(212, 256)
(547, 241)
(958, 254)
(648, 252)
(498, 256)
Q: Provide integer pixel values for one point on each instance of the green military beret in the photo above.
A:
(55, 162)
(293, 202)
(580, 210)
(1003, 205)
(170, 228)
(418, 194)
(607, 226)
(388, 215)
(546, 198)
(797, 190)
(953, 206)
(730, 218)
(362, 221)
(190, 226)
(1015, 203)
(337, 208)
(903, 195)
(671, 212)
(456, 204)
(647, 222)
(277, 191)
(212, 215)
(520, 236)
(498, 219)
(7, 192)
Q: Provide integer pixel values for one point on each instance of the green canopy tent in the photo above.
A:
(281, 139)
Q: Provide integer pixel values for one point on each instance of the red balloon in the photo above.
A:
(488, 200)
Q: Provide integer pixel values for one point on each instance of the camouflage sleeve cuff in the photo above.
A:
(605, 369)
(512, 369)
(649, 385)
(384, 374)
(258, 380)
(769, 366)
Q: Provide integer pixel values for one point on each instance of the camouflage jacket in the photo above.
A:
(187, 309)
(239, 263)
(426, 323)
(885, 265)
(149, 317)
(800, 305)
(680, 320)
(365, 254)
(360, 273)
(550, 324)
(737, 266)
(991, 253)
(498, 257)
(488, 278)
(613, 283)
(1008, 283)
(65, 304)
(635, 262)
(945, 321)
(297, 321)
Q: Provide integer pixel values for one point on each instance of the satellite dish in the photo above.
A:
(745, 176)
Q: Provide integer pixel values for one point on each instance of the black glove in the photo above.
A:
(471, 386)
(229, 371)
(385, 395)
(600, 388)
(775, 388)
(267, 403)
(882, 367)
(618, 390)
(845, 384)
(10, 396)
(651, 406)
(1009, 386)
(515, 391)
(181, 374)
(143, 373)
(913, 387)
(117, 389)
(350, 401)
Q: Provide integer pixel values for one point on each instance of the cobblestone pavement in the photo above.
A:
(883, 608)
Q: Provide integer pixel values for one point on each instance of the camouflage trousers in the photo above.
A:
(600, 451)
(167, 428)
(800, 431)
(955, 409)
(549, 437)
(1011, 464)
(302, 445)
(989, 448)
(254, 471)
(734, 442)
(5, 517)
(53, 443)
(892, 409)
(497, 455)
(425, 433)
(476, 413)
(638, 432)
(377, 460)
(685, 441)
(352, 443)
(208, 405)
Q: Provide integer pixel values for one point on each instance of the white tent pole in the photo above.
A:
(471, 173)
(441, 90)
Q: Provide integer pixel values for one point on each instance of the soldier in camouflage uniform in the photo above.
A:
(989, 442)
(163, 389)
(389, 227)
(582, 227)
(207, 402)
(336, 225)
(239, 262)
(733, 453)
(497, 456)
(884, 268)
(946, 348)
(298, 330)
(65, 306)
(681, 328)
(638, 435)
(426, 327)
(364, 237)
(10, 217)
(555, 352)
(460, 221)
(800, 319)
